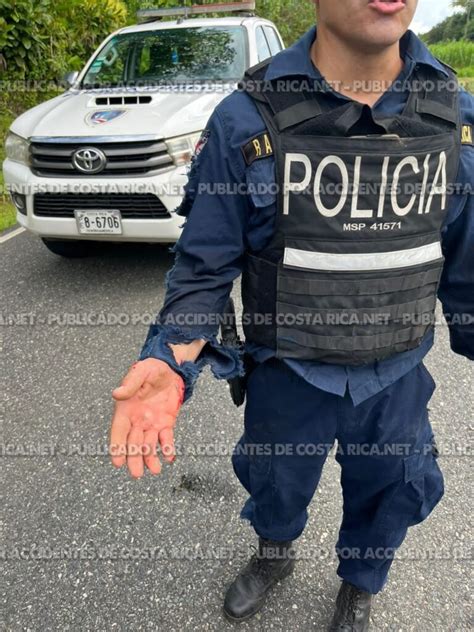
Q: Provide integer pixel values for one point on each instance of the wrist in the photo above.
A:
(188, 352)
(181, 357)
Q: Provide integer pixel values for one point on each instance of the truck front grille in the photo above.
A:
(139, 206)
(123, 158)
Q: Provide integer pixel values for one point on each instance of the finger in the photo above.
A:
(167, 444)
(151, 459)
(118, 439)
(131, 383)
(135, 453)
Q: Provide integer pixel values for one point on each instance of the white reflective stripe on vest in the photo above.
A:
(358, 262)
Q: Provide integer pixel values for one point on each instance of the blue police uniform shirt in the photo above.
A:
(230, 208)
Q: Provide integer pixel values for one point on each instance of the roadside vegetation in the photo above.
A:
(41, 40)
(459, 55)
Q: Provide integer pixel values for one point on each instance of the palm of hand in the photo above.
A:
(145, 418)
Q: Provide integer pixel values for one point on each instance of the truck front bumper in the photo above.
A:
(167, 187)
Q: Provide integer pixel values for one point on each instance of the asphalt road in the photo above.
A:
(73, 530)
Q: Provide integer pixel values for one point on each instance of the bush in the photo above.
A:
(41, 39)
(24, 37)
(292, 18)
(81, 25)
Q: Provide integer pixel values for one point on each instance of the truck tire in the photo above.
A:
(71, 248)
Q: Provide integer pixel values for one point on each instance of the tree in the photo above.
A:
(468, 6)
(456, 27)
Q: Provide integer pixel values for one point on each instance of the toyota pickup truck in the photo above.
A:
(108, 159)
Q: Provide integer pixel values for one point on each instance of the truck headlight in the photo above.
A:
(181, 148)
(17, 148)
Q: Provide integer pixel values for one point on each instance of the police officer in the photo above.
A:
(337, 180)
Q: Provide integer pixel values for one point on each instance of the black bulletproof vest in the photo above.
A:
(352, 271)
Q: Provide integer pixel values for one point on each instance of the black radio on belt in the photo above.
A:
(231, 339)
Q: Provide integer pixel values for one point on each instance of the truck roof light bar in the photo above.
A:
(149, 15)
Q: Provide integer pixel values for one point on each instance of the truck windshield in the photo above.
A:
(175, 55)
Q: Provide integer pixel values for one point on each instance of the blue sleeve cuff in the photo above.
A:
(225, 362)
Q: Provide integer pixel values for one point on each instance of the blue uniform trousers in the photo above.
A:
(385, 447)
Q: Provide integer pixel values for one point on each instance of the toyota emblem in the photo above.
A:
(89, 160)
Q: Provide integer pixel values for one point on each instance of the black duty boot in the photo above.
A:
(246, 595)
(352, 610)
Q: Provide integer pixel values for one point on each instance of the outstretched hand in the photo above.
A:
(147, 406)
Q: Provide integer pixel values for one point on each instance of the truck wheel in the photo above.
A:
(71, 248)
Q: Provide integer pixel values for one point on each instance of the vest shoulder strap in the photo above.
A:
(253, 82)
(435, 95)
(259, 70)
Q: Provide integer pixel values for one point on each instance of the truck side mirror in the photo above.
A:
(70, 78)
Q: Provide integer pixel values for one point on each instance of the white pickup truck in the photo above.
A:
(108, 159)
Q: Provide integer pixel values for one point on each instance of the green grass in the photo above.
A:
(459, 55)
(11, 106)
(7, 210)
(467, 83)
(7, 215)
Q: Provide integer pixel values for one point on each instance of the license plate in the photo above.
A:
(98, 222)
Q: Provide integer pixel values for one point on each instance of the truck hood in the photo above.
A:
(76, 113)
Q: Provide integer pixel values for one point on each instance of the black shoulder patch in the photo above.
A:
(259, 147)
(467, 135)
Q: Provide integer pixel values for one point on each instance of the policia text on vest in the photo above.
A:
(427, 179)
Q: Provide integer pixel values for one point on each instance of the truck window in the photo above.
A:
(263, 49)
(273, 40)
(181, 55)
